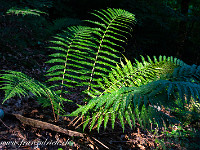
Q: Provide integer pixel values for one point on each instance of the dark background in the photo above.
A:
(164, 27)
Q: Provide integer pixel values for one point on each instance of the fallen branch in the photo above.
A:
(45, 125)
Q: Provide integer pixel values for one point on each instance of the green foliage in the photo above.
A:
(86, 53)
(25, 11)
(185, 137)
(89, 56)
(19, 24)
(83, 54)
(18, 84)
(139, 73)
(28, 19)
(189, 114)
(145, 94)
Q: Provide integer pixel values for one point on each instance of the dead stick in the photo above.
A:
(45, 125)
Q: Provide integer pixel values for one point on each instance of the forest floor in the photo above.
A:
(16, 133)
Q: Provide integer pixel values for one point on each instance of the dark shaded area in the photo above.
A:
(163, 27)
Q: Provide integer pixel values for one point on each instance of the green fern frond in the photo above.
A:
(85, 54)
(142, 102)
(18, 84)
(69, 55)
(139, 73)
(24, 11)
(187, 73)
(112, 21)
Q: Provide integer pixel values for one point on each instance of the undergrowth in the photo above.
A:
(90, 57)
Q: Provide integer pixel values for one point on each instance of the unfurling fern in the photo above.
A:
(144, 95)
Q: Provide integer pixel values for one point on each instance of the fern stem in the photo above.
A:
(91, 76)
(72, 120)
(54, 115)
(63, 77)
(77, 121)
(82, 123)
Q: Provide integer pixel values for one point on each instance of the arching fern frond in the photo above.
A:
(18, 84)
(114, 26)
(142, 102)
(85, 54)
(138, 73)
(70, 59)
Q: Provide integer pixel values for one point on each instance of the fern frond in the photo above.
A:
(70, 56)
(139, 73)
(141, 102)
(18, 84)
(112, 21)
(85, 54)
(24, 11)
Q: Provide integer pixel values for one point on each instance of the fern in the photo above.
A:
(141, 101)
(90, 57)
(83, 55)
(24, 11)
(112, 23)
(139, 73)
(70, 56)
(86, 53)
(18, 84)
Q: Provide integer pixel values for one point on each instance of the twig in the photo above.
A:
(77, 121)
(81, 123)
(100, 143)
(88, 138)
(72, 121)
(5, 125)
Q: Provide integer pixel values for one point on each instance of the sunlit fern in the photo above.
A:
(18, 84)
(144, 94)
(25, 11)
(84, 54)
(137, 74)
